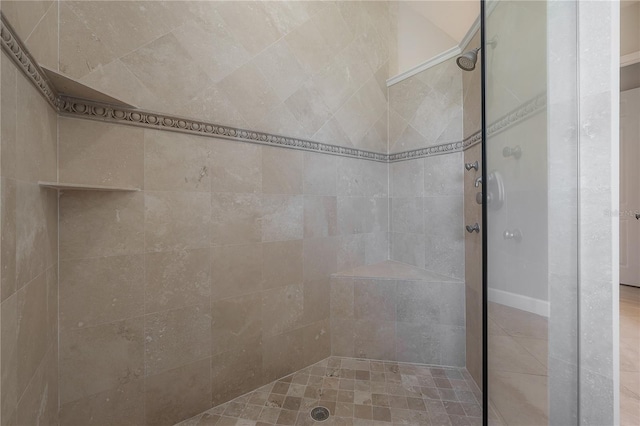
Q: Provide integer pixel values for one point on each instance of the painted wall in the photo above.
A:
(425, 29)
(629, 28)
(209, 283)
(518, 268)
(313, 70)
(418, 39)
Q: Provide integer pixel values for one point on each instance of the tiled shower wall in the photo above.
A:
(426, 108)
(305, 69)
(29, 253)
(211, 281)
(472, 104)
(427, 193)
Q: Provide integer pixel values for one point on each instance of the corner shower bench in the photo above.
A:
(397, 312)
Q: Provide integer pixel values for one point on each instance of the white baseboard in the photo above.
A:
(518, 301)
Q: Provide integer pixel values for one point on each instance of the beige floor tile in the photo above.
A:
(520, 398)
(508, 355)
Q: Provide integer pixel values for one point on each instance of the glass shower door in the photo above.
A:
(531, 310)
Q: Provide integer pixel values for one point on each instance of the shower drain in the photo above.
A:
(319, 414)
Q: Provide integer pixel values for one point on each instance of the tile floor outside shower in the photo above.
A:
(518, 363)
(357, 392)
(629, 355)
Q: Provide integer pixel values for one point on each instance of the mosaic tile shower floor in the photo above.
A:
(356, 392)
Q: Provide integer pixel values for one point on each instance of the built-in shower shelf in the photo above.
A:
(83, 187)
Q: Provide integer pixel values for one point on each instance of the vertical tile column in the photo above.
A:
(28, 253)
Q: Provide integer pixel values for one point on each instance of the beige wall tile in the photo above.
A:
(236, 324)
(362, 178)
(33, 331)
(236, 270)
(408, 140)
(351, 251)
(376, 247)
(176, 279)
(407, 178)
(39, 402)
(255, 48)
(156, 64)
(317, 341)
(237, 372)
(236, 167)
(96, 359)
(282, 218)
(281, 171)
(96, 224)
(9, 356)
(250, 93)
(250, 24)
(333, 27)
(176, 162)
(8, 116)
(309, 46)
(376, 137)
(212, 104)
(332, 133)
(177, 337)
(277, 61)
(307, 106)
(8, 241)
(24, 16)
(95, 153)
(283, 354)
(280, 121)
(374, 300)
(342, 343)
(80, 53)
(123, 405)
(316, 300)
(114, 78)
(51, 277)
(178, 394)
(320, 258)
(211, 34)
(282, 263)
(101, 290)
(282, 309)
(406, 96)
(138, 26)
(36, 142)
(320, 217)
(341, 294)
(360, 112)
(170, 226)
(236, 218)
(43, 40)
(35, 242)
(320, 172)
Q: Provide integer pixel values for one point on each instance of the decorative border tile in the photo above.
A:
(16, 50)
(80, 108)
